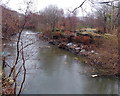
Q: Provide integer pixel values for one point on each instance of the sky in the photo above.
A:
(41, 4)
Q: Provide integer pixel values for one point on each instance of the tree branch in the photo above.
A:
(24, 76)
(79, 6)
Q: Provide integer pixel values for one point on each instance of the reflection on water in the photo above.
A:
(54, 71)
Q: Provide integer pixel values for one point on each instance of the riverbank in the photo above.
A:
(53, 66)
(102, 54)
(6, 85)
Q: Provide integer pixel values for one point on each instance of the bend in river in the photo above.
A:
(51, 70)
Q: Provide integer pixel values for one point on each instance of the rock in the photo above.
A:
(47, 46)
(76, 58)
(62, 45)
(65, 62)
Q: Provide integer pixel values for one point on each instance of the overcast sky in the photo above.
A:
(40, 4)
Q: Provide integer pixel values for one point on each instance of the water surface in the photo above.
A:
(51, 70)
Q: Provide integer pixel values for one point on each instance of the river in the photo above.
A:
(51, 70)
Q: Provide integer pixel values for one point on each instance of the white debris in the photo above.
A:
(77, 48)
(95, 75)
(69, 44)
(4, 44)
(83, 50)
(92, 51)
(74, 45)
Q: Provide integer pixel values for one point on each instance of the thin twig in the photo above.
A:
(79, 6)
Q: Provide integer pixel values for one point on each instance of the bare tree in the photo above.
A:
(51, 16)
(16, 26)
(106, 13)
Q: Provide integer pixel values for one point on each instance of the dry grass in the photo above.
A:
(106, 61)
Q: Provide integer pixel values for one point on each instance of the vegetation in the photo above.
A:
(101, 46)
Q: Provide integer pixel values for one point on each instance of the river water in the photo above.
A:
(51, 70)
